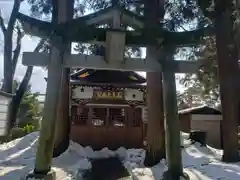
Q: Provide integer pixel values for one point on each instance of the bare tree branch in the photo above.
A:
(40, 45)
(2, 26)
(17, 50)
(8, 50)
(13, 16)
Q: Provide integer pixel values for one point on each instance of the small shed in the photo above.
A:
(203, 118)
(5, 99)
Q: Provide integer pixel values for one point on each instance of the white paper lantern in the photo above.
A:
(133, 95)
(82, 92)
(144, 115)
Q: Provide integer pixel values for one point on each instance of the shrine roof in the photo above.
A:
(107, 76)
(200, 110)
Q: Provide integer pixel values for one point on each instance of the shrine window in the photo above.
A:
(117, 117)
(79, 115)
(99, 116)
(137, 117)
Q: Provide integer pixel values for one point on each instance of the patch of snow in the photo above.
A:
(200, 163)
(103, 153)
(17, 158)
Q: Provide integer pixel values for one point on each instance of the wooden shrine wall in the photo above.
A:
(110, 127)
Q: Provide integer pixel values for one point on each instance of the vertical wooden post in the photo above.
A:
(172, 129)
(55, 69)
(46, 139)
(90, 115)
(228, 69)
(61, 141)
(107, 118)
(153, 14)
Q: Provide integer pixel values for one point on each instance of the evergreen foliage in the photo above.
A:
(29, 111)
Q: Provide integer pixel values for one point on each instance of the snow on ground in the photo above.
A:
(17, 159)
(201, 163)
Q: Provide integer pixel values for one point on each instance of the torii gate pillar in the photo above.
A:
(172, 123)
(46, 140)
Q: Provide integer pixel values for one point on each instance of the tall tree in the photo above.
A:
(153, 13)
(218, 77)
(11, 57)
(228, 77)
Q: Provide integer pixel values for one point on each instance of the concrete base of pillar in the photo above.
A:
(51, 175)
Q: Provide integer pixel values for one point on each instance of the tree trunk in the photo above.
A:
(8, 45)
(63, 123)
(153, 12)
(17, 98)
(155, 128)
(8, 75)
(228, 73)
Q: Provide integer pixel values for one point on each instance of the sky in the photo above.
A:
(28, 44)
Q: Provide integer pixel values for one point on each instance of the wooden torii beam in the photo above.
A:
(85, 24)
(98, 62)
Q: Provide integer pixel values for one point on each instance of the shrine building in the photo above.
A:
(107, 108)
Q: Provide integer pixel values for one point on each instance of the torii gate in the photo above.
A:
(114, 41)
